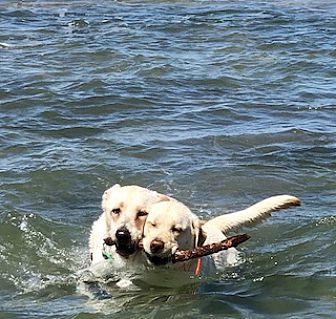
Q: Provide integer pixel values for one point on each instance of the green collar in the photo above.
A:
(106, 255)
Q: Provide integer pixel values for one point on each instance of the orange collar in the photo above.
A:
(188, 265)
(198, 267)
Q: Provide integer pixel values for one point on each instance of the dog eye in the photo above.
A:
(142, 213)
(116, 211)
(177, 230)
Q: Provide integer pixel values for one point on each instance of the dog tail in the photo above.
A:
(252, 215)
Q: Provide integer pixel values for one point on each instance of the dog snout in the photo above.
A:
(156, 246)
(123, 235)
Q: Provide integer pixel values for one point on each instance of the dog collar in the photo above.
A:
(198, 267)
(106, 255)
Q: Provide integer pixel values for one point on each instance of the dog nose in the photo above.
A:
(156, 246)
(123, 235)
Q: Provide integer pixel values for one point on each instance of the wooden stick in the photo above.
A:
(184, 255)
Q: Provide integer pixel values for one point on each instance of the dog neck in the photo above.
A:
(110, 254)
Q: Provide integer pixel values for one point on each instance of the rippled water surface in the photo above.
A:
(217, 103)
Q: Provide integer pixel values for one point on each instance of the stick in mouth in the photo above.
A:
(184, 255)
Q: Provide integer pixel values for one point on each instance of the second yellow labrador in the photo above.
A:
(170, 225)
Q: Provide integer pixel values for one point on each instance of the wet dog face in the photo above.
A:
(126, 209)
(170, 225)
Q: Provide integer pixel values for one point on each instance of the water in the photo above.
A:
(217, 103)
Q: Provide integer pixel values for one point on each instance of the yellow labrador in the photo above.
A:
(171, 225)
(124, 214)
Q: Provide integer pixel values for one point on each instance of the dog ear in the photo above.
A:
(199, 234)
(161, 197)
(107, 194)
(202, 236)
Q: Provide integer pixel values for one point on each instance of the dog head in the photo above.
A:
(126, 209)
(170, 225)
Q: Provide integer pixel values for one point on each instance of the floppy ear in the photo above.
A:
(161, 197)
(199, 234)
(107, 195)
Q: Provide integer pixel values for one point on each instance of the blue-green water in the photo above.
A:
(217, 103)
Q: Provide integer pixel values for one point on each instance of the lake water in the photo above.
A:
(217, 103)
